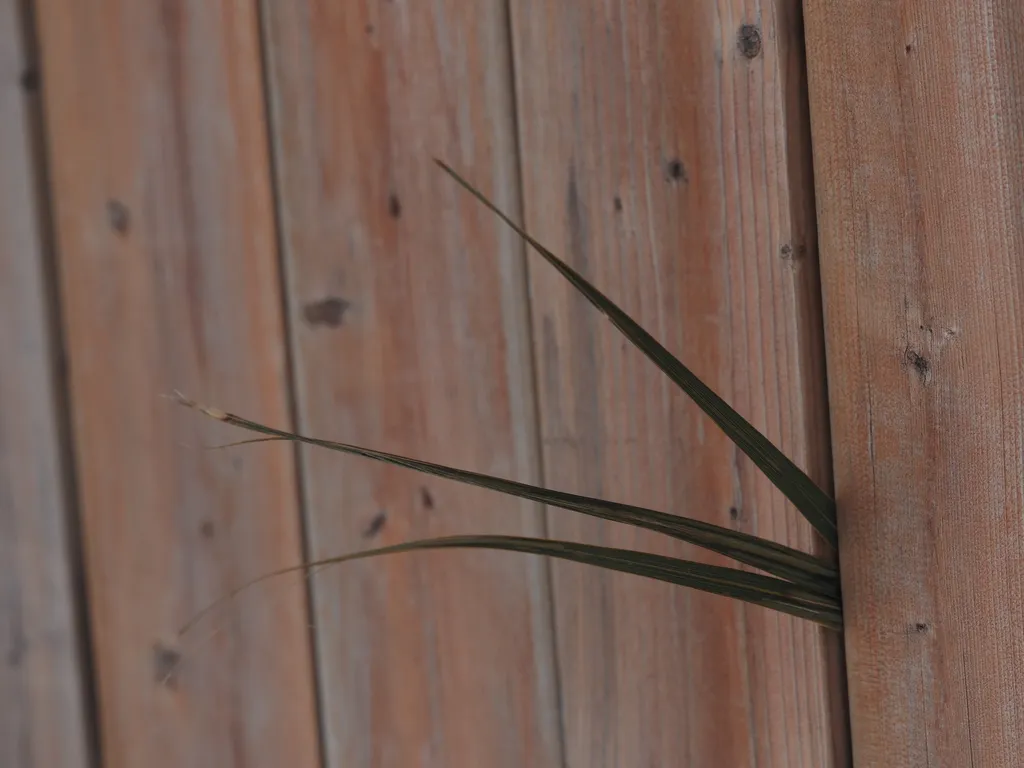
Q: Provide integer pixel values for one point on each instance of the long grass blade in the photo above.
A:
(753, 588)
(784, 562)
(812, 502)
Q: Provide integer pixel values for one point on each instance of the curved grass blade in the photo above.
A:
(813, 503)
(753, 588)
(799, 567)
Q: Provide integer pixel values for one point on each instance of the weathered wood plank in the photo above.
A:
(918, 124)
(42, 680)
(409, 314)
(165, 235)
(664, 153)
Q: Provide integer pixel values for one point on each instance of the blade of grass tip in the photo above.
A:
(766, 591)
(808, 498)
(777, 559)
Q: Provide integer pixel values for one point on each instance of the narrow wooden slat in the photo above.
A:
(409, 313)
(164, 219)
(43, 720)
(918, 124)
(665, 155)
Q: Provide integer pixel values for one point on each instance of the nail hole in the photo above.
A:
(426, 498)
(675, 170)
(394, 206)
(375, 526)
(793, 254)
(749, 41)
(617, 203)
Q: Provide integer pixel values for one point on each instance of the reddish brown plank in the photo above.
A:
(165, 234)
(42, 704)
(918, 122)
(664, 154)
(409, 315)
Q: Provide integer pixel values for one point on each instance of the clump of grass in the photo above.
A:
(792, 581)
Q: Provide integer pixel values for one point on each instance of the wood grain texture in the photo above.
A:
(164, 219)
(918, 124)
(664, 154)
(408, 307)
(43, 720)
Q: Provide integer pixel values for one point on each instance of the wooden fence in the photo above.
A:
(238, 200)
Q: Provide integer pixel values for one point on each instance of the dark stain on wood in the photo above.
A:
(328, 312)
(29, 80)
(118, 216)
(426, 498)
(165, 665)
(675, 171)
(376, 525)
(748, 40)
(920, 364)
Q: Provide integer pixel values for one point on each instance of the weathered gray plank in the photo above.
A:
(42, 703)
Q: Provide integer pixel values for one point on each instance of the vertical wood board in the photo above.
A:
(408, 311)
(918, 124)
(664, 154)
(165, 235)
(43, 719)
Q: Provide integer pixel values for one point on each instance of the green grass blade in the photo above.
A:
(753, 588)
(812, 502)
(801, 568)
